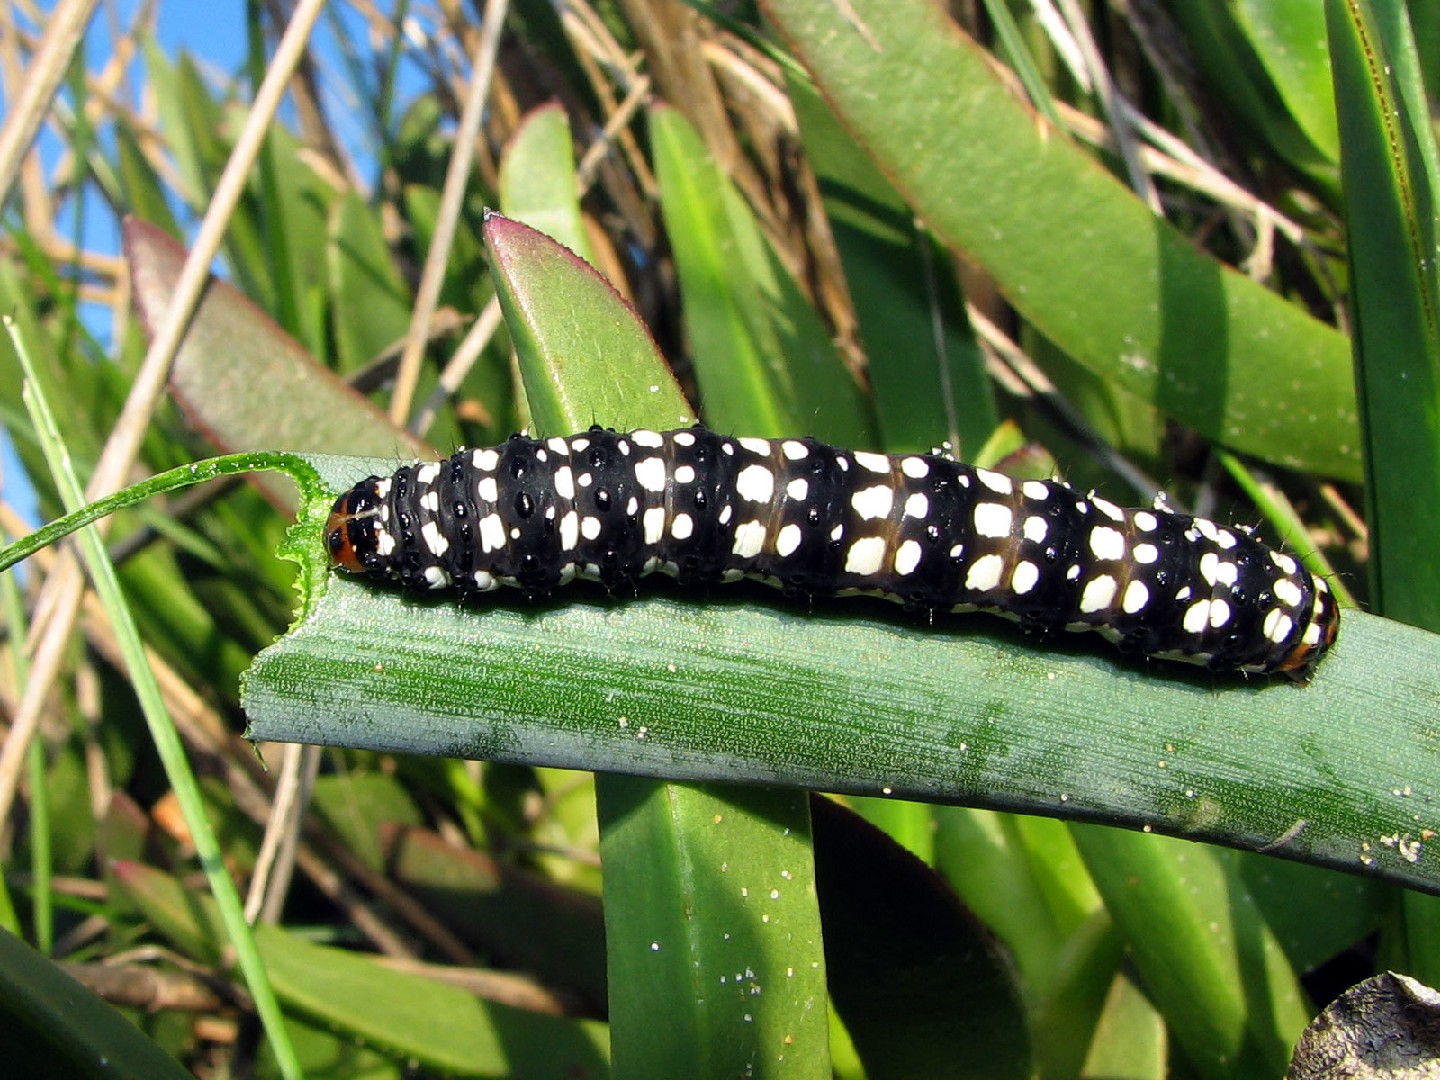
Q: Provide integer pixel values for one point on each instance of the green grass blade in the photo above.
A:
(162, 731)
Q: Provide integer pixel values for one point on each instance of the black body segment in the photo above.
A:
(813, 519)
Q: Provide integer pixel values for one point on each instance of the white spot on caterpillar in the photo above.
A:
(836, 533)
(1099, 594)
(727, 448)
(1145, 521)
(757, 446)
(558, 446)
(384, 543)
(996, 482)
(488, 490)
(565, 483)
(1137, 595)
(798, 489)
(726, 513)
(590, 528)
(1107, 543)
(1146, 553)
(569, 530)
(842, 462)
(484, 581)
(1197, 617)
(1024, 577)
(382, 489)
(993, 519)
(1036, 529)
(907, 558)
(1219, 613)
(586, 479)
(917, 468)
(1288, 592)
(1283, 561)
(795, 450)
(436, 577)
(788, 541)
(873, 502)
(683, 438)
(1109, 509)
(645, 437)
(682, 527)
(749, 540)
(984, 573)
(427, 474)
(865, 556)
(579, 444)
(430, 501)
(917, 505)
(654, 524)
(632, 506)
(1213, 570)
(756, 483)
(1035, 490)
(685, 474)
(1184, 592)
(650, 473)
(1227, 539)
(876, 463)
(492, 533)
(1207, 529)
(1277, 626)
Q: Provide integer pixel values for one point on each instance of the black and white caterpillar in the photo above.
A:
(812, 519)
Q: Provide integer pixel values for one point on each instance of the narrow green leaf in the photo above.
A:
(762, 356)
(440, 1028)
(369, 300)
(1388, 157)
(1121, 292)
(1205, 954)
(925, 366)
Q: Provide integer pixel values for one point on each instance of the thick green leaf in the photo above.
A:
(852, 698)
(588, 343)
(1122, 292)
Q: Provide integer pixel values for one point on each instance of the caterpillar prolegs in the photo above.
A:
(813, 520)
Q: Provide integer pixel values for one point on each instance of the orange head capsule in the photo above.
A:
(1321, 631)
(350, 532)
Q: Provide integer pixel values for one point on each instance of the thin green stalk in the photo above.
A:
(162, 728)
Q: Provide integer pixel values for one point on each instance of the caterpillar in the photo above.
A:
(813, 519)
